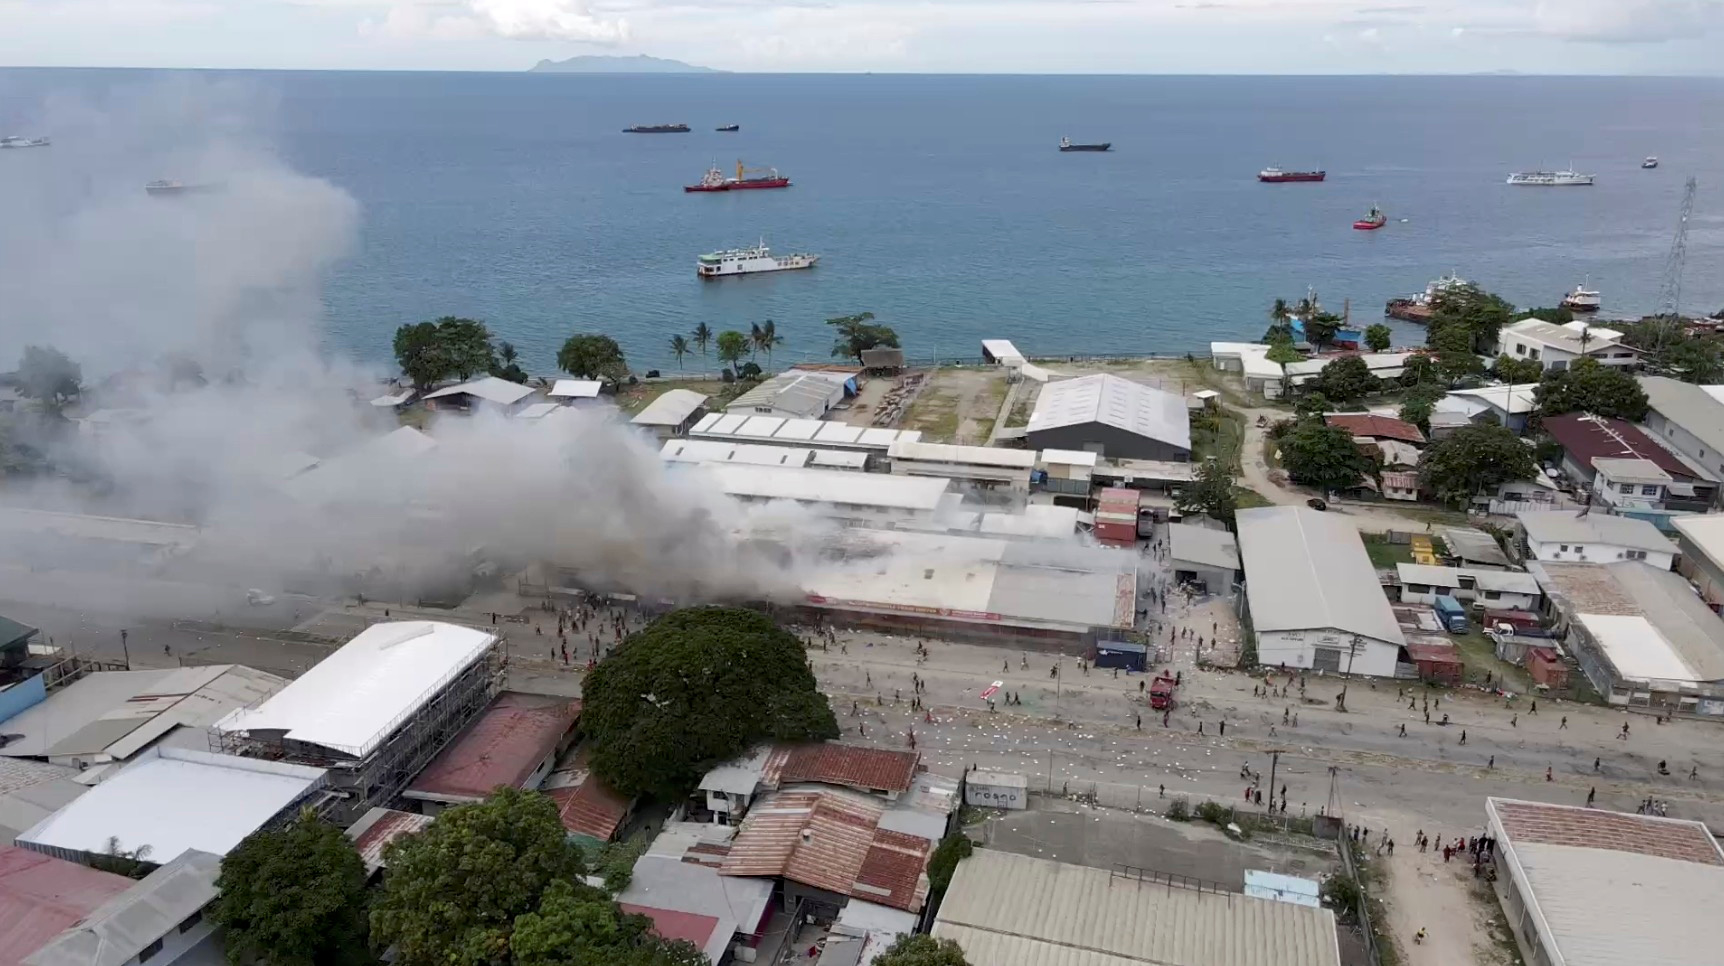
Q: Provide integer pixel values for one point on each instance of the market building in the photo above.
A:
(1115, 417)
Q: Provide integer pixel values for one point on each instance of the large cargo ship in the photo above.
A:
(657, 129)
(1067, 145)
(1418, 308)
(1278, 176)
(746, 179)
(1550, 179)
(747, 261)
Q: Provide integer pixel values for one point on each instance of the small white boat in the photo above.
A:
(1582, 299)
(165, 187)
(1650, 162)
(19, 141)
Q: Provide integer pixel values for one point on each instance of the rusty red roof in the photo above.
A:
(1377, 427)
(591, 808)
(831, 840)
(378, 828)
(872, 769)
(671, 924)
(1435, 652)
(1587, 438)
(41, 896)
(1593, 828)
(503, 746)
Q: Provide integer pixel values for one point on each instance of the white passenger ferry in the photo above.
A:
(746, 261)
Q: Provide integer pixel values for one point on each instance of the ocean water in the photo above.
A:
(940, 203)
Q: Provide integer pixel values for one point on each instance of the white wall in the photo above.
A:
(1597, 553)
(1296, 649)
(176, 944)
(1516, 346)
(1505, 600)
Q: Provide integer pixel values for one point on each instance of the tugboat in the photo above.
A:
(747, 261)
(1582, 299)
(20, 141)
(1067, 145)
(1650, 162)
(657, 129)
(1418, 308)
(1278, 176)
(726, 128)
(714, 180)
(1372, 221)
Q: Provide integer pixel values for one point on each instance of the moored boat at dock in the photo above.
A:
(1650, 162)
(1418, 308)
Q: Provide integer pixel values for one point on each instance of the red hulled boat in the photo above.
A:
(746, 178)
(1278, 176)
(1373, 221)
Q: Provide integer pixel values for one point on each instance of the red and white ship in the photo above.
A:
(1373, 221)
(746, 178)
(1278, 176)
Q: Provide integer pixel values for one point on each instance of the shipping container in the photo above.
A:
(994, 789)
(1125, 655)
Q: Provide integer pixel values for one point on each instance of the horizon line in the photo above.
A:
(707, 72)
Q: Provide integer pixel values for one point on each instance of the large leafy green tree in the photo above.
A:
(1517, 371)
(1480, 315)
(1558, 315)
(732, 346)
(450, 347)
(1280, 323)
(1456, 358)
(48, 376)
(294, 896)
(1210, 493)
(1420, 370)
(1418, 404)
(1697, 359)
(857, 333)
(921, 949)
(695, 688)
(1323, 456)
(1378, 338)
(1474, 459)
(1347, 379)
(1586, 386)
(454, 891)
(576, 925)
(592, 356)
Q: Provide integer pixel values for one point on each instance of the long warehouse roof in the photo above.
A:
(1305, 570)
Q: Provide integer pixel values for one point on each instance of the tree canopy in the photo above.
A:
(48, 376)
(695, 688)
(1378, 338)
(1517, 371)
(294, 896)
(509, 366)
(1347, 379)
(1558, 315)
(592, 356)
(575, 925)
(454, 891)
(1323, 456)
(921, 949)
(857, 333)
(1418, 404)
(732, 346)
(1472, 460)
(1210, 493)
(1586, 386)
(450, 347)
(1420, 370)
(1478, 314)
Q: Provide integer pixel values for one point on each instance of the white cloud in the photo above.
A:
(1626, 21)
(564, 20)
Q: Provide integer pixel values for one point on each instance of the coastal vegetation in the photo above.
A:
(1472, 460)
(679, 348)
(702, 336)
(48, 376)
(1346, 380)
(1516, 371)
(1588, 387)
(764, 337)
(732, 346)
(447, 348)
(695, 688)
(859, 333)
(1670, 348)
(592, 356)
(1211, 493)
(1378, 338)
(294, 895)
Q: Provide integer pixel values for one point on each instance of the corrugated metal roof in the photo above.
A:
(41, 895)
(502, 747)
(1566, 526)
(709, 934)
(489, 388)
(379, 827)
(126, 924)
(1306, 570)
(1015, 910)
(840, 487)
(975, 455)
(1108, 399)
(576, 389)
(1705, 532)
(356, 697)
(1586, 437)
(670, 409)
(1694, 408)
(875, 769)
(1372, 425)
(1507, 581)
(590, 807)
(1201, 545)
(799, 392)
(1468, 543)
(831, 840)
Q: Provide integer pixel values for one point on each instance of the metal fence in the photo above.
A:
(1362, 908)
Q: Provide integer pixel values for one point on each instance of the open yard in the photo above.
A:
(958, 405)
(633, 399)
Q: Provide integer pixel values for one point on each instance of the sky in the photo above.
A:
(934, 36)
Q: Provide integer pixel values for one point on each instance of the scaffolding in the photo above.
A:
(376, 779)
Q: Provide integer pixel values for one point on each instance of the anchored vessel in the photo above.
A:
(1372, 221)
(1278, 176)
(746, 179)
(747, 261)
(1067, 145)
(1650, 162)
(1550, 179)
(657, 129)
(20, 141)
(1582, 299)
(729, 127)
(1418, 308)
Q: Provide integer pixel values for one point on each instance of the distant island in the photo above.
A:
(638, 64)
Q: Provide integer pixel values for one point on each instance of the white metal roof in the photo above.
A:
(1108, 399)
(1201, 545)
(838, 433)
(838, 459)
(354, 698)
(761, 427)
(1630, 470)
(1513, 399)
(538, 410)
(973, 455)
(489, 388)
(393, 399)
(174, 799)
(1566, 526)
(1069, 457)
(1637, 648)
(780, 430)
(1377, 362)
(1564, 337)
(1705, 532)
(1003, 351)
(670, 409)
(831, 486)
(1306, 570)
(1506, 581)
(115, 933)
(796, 391)
(719, 451)
(575, 389)
(1018, 910)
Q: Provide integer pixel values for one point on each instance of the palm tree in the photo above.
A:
(769, 338)
(756, 338)
(679, 346)
(1280, 324)
(702, 336)
(1279, 312)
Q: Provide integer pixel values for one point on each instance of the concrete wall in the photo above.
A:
(1686, 443)
(1701, 572)
(1597, 553)
(1219, 580)
(1298, 649)
(1503, 601)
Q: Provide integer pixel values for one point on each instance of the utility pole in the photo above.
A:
(1274, 761)
(124, 651)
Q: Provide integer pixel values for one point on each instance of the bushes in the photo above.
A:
(1180, 810)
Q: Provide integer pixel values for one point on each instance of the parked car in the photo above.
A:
(1317, 503)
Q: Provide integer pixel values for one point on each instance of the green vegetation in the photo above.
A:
(1246, 499)
(48, 376)
(679, 347)
(857, 333)
(934, 411)
(1517, 371)
(732, 346)
(1378, 338)
(294, 896)
(1472, 460)
(450, 347)
(1670, 348)
(591, 356)
(1218, 433)
(920, 949)
(1478, 655)
(1419, 403)
(616, 862)
(764, 337)
(1589, 387)
(509, 365)
(1385, 555)
(702, 336)
(1323, 456)
(1346, 380)
(698, 687)
(1211, 493)
(954, 848)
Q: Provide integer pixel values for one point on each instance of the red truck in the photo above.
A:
(1161, 693)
